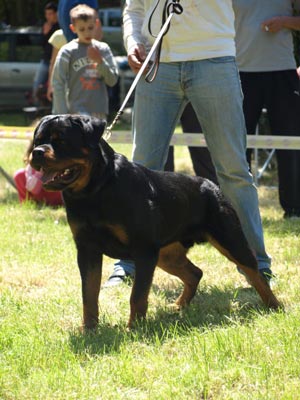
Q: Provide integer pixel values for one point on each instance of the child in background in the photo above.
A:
(64, 8)
(57, 40)
(29, 185)
(83, 68)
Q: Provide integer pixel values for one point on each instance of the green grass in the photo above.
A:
(11, 118)
(224, 346)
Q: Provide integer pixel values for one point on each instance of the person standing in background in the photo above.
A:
(83, 68)
(49, 27)
(57, 40)
(268, 73)
(200, 156)
(197, 65)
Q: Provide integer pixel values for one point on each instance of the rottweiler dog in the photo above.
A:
(126, 211)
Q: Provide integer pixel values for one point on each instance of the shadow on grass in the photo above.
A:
(9, 197)
(209, 309)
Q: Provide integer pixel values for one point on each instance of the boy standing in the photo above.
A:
(83, 68)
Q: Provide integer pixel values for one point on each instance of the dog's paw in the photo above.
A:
(174, 307)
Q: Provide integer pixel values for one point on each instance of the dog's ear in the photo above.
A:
(92, 128)
(42, 122)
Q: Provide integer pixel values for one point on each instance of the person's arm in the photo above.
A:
(106, 63)
(52, 61)
(57, 40)
(60, 77)
(276, 24)
(133, 18)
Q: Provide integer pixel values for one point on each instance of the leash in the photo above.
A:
(8, 177)
(169, 10)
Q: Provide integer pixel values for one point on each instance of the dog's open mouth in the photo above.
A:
(59, 179)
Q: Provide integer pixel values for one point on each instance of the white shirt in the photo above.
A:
(204, 30)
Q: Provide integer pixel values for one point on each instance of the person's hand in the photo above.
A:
(94, 54)
(273, 25)
(46, 27)
(136, 57)
(49, 94)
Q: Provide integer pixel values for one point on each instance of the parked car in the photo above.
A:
(21, 50)
(20, 53)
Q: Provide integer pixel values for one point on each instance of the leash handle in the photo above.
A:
(175, 8)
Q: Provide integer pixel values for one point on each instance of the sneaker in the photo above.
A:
(265, 273)
(116, 280)
(291, 214)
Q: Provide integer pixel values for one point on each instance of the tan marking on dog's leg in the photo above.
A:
(119, 232)
(254, 277)
(172, 259)
(138, 311)
(145, 264)
(90, 294)
(74, 229)
(261, 287)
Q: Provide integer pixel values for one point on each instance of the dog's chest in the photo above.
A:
(105, 236)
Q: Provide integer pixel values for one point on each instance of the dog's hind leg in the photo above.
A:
(173, 259)
(261, 287)
(224, 231)
(251, 271)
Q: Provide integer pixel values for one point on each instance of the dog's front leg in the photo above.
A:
(90, 266)
(144, 270)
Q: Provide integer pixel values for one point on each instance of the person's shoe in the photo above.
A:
(265, 273)
(291, 213)
(116, 280)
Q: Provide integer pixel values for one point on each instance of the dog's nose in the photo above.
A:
(38, 153)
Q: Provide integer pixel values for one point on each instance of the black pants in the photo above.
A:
(278, 92)
(200, 156)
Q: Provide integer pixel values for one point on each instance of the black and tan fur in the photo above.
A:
(123, 210)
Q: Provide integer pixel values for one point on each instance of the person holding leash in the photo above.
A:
(196, 65)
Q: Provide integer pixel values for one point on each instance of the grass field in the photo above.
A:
(224, 346)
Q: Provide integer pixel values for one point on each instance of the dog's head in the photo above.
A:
(64, 148)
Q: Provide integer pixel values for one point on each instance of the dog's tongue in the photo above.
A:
(47, 176)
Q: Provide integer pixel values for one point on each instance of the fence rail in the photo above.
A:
(186, 139)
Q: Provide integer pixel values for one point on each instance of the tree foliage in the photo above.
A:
(31, 12)
(21, 13)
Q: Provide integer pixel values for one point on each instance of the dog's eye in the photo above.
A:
(58, 142)
(37, 143)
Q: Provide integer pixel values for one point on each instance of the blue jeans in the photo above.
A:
(40, 77)
(213, 88)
